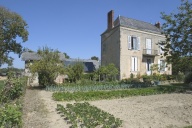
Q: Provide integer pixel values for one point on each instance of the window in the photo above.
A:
(161, 47)
(148, 64)
(162, 65)
(133, 63)
(133, 42)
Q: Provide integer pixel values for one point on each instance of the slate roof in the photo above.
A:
(136, 24)
(89, 65)
(34, 56)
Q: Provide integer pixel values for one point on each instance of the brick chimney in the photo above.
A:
(158, 25)
(110, 16)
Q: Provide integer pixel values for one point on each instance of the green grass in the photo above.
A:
(114, 94)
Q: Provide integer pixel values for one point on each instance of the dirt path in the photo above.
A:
(157, 111)
(39, 111)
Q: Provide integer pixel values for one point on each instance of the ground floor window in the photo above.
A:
(162, 65)
(134, 64)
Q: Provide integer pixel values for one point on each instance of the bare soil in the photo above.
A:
(155, 111)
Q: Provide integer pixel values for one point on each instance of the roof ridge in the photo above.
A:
(137, 20)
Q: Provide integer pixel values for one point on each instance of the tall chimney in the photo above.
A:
(158, 25)
(110, 19)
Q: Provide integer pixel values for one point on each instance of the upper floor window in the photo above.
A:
(161, 47)
(133, 42)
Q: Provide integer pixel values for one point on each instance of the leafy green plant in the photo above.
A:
(10, 116)
(98, 95)
(13, 89)
(86, 115)
(188, 78)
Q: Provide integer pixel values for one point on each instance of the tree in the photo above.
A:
(94, 58)
(111, 72)
(178, 31)
(48, 67)
(12, 27)
(75, 72)
(108, 72)
(66, 56)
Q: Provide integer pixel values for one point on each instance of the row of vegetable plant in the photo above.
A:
(87, 116)
(97, 95)
(11, 103)
(85, 88)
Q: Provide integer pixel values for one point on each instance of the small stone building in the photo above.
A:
(29, 57)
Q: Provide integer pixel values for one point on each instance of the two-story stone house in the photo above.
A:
(132, 45)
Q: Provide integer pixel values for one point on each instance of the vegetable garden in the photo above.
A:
(86, 116)
(10, 103)
(98, 95)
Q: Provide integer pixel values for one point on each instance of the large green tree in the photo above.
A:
(48, 67)
(75, 72)
(12, 27)
(94, 58)
(178, 31)
(108, 72)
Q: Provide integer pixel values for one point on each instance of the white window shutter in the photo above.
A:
(135, 63)
(159, 64)
(132, 63)
(138, 43)
(129, 42)
(165, 66)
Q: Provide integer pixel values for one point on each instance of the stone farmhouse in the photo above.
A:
(29, 57)
(132, 45)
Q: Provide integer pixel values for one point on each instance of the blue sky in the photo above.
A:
(75, 26)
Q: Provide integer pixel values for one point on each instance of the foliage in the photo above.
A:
(6, 70)
(182, 64)
(125, 84)
(10, 105)
(86, 115)
(2, 84)
(66, 55)
(188, 78)
(75, 72)
(12, 90)
(98, 95)
(130, 81)
(12, 26)
(180, 77)
(108, 72)
(178, 31)
(48, 67)
(154, 67)
(94, 58)
(10, 116)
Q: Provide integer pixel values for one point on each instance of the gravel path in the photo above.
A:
(156, 111)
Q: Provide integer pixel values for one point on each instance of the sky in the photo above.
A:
(75, 26)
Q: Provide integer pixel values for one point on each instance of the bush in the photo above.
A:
(13, 89)
(10, 117)
(180, 77)
(130, 81)
(188, 78)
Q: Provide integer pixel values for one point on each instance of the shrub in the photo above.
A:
(13, 89)
(10, 117)
(130, 80)
(188, 78)
(180, 77)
